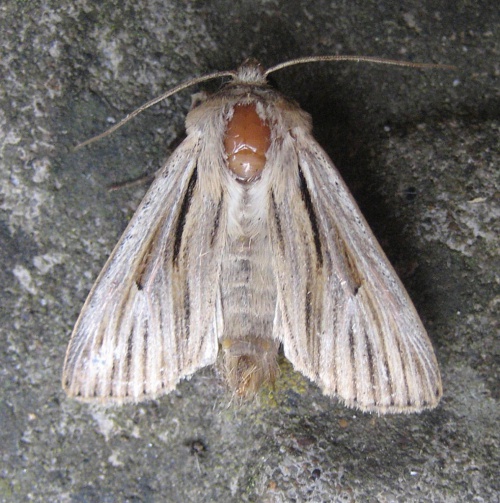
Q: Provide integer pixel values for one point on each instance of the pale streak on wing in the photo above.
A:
(151, 317)
(344, 317)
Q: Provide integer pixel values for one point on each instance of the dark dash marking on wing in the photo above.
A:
(181, 222)
(353, 361)
(351, 268)
(99, 339)
(371, 367)
(112, 379)
(216, 225)
(279, 227)
(281, 244)
(128, 358)
(379, 332)
(143, 265)
(306, 197)
(186, 322)
(308, 313)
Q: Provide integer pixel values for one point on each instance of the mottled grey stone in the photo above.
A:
(419, 150)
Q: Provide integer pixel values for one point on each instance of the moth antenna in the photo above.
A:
(154, 101)
(358, 59)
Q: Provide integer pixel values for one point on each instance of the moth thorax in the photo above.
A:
(246, 142)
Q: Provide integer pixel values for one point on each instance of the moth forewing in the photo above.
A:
(249, 238)
(383, 359)
(133, 339)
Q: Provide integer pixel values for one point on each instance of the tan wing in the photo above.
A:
(152, 316)
(345, 319)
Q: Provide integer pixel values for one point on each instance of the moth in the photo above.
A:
(248, 240)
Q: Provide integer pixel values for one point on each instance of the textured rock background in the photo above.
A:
(419, 150)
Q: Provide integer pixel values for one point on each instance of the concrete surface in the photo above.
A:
(419, 150)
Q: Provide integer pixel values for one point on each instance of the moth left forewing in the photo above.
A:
(344, 317)
(151, 317)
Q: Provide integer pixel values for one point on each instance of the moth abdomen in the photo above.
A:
(250, 363)
(248, 297)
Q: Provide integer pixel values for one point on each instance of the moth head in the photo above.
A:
(250, 72)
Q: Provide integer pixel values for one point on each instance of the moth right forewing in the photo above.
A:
(345, 319)
(296, 263)
(382, 345)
